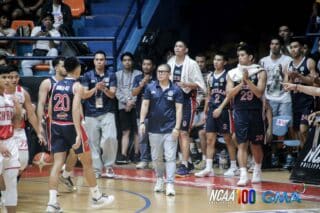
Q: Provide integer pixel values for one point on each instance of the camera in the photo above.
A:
(43, 28)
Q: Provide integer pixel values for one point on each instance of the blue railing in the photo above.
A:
(137, 17)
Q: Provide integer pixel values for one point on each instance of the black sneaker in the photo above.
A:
(68, 183)
(136, 158)
(190, 166)
(122, 159)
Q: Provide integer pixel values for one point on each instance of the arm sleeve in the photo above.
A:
(147, 93)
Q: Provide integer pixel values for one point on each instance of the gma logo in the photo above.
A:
(280, 197)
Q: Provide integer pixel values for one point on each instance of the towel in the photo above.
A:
(236, 74)
(193, 75)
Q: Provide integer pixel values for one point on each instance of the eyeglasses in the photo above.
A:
(162, 71)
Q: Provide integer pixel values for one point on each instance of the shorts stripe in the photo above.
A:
(193, 111)
(85, 140)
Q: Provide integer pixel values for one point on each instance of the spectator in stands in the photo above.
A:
(28, 9)
(285, 34)
(6, 47)
(316, 56)
(127, 112)
(139, 84)
(42, 47)
(100, 88)
(3, 60)
(274, 64)
(315, 16)
(62, 16)
(6, 6)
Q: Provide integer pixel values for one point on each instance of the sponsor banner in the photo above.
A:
(307, 167)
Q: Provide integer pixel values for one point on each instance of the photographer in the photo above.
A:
(42, 47)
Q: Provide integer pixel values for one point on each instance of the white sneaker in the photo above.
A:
(231, 172)
(243, 181)
(256, 176)
(109, 173)
(142, 165)
(54, 208)
(159, 187)
(205, 173)
(102, 201)
(170, 190)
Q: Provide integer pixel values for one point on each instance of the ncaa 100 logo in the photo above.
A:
(240, 196)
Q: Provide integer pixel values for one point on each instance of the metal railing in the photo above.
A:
(136, 17)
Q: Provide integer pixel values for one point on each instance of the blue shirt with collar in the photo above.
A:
(162, 109)
(136, 83)
(89, 80)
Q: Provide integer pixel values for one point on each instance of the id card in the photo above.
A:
(99, 102)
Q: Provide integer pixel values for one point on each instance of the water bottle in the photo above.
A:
(223, 160)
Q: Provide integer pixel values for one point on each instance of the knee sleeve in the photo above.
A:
(23, 158)
(10, 195)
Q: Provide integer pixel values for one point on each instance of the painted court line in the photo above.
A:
(146, 199)
(203, 184)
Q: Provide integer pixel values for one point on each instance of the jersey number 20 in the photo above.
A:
(63, 102)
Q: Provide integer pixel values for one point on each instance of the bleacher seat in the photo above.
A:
(15, 24)
(77, 7)
(41, 68)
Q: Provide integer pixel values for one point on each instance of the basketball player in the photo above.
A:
(187, 75)
(67, 133)
(218, 117)
(301, 70)
(10, 112)
(45, 91)
(249, 126)
(23, 97)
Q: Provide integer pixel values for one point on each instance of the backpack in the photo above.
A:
(24, 30)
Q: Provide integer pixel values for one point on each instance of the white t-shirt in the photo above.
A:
(9, 32)
(275, 75)
(58, 17)
(43, 44)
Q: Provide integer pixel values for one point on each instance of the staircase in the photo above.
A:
(116, 18)
(105, 19)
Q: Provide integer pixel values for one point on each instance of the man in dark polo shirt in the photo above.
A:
(163, 104)
(100, 88)
(139, 84)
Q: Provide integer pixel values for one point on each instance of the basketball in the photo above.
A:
(42, 159)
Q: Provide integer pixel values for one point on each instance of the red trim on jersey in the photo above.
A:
(19, 88)
(193, 109)
(48, 129)
(12, 168)
(85, 140)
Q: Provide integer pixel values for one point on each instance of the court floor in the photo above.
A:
(133, 193)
